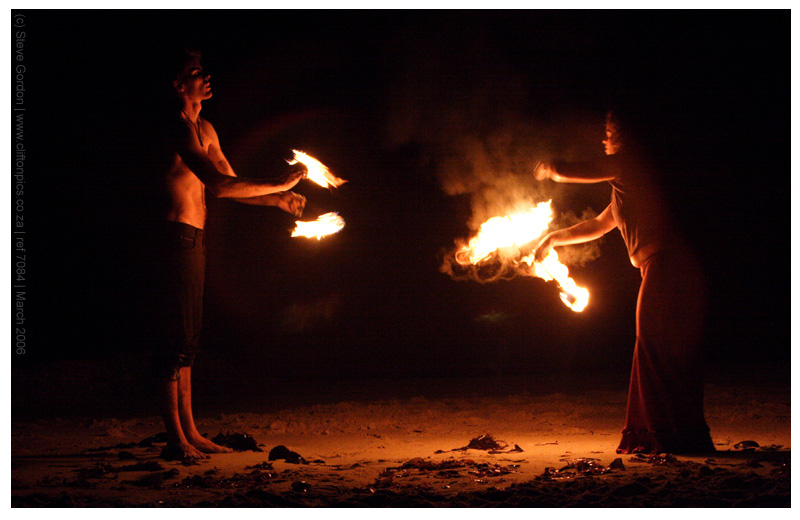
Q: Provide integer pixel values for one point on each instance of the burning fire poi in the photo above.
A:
(317, 172)
(326, 224)
(513, 231)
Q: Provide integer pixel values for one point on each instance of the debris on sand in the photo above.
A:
(617, 464)
(484, 469)
(261, 465)
(237, 441)
(236, 481)
(445, 469)
(487, 443)
(659, 459)
(430, 465)
(153, 439)
(301, 486)
(585, 467)
(281, 452)
(484, 442)
(746, 445)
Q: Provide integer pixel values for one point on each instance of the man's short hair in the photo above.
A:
(179, 60)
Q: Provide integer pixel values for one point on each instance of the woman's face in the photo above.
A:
(612, 141)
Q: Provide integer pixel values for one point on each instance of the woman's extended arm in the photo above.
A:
(577, 172)
(582, 232)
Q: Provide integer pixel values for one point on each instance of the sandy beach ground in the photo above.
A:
(382, 443)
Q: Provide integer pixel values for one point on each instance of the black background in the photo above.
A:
(377, 96)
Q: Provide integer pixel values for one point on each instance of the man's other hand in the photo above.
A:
(292, 203)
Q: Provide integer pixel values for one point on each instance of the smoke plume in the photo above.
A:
(481, 127)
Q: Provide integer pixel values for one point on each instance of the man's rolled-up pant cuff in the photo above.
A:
(169, 368)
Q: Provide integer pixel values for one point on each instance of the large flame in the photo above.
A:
(509, 233)
(504, 232)
(326, 224)
(317, 171)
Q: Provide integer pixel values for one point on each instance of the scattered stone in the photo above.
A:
(617, 464)
(746, 445)
(484, 442)
(261, 465)
(237, 441)
(301, 487)
(153, 439)
(281, 452)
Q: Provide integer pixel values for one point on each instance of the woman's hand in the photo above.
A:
(543, 171)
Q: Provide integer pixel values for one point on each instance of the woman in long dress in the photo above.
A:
(665, 400)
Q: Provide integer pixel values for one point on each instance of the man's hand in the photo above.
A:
(543, 171)
(297, 172)
(543, 248)
(292, 203)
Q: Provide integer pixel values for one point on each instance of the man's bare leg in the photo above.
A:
(187, 419)
(176, 440)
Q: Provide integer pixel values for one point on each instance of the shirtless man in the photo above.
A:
(197, 165)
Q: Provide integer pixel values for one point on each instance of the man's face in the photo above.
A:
(193, 83)
(612, 141)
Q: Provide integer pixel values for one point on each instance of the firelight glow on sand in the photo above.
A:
(325, 225)
(513, 231)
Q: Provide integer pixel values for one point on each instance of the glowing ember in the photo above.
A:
(317, 171)
(505, 235)
(326, 224)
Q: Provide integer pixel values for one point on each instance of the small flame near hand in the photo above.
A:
(325, 225)
(317, 172)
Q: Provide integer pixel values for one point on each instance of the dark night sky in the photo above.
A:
(391, 101)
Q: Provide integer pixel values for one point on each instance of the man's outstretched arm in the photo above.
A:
(288, 201)
(221, 184)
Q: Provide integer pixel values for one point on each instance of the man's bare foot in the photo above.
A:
(206, 446)
(182, 451)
